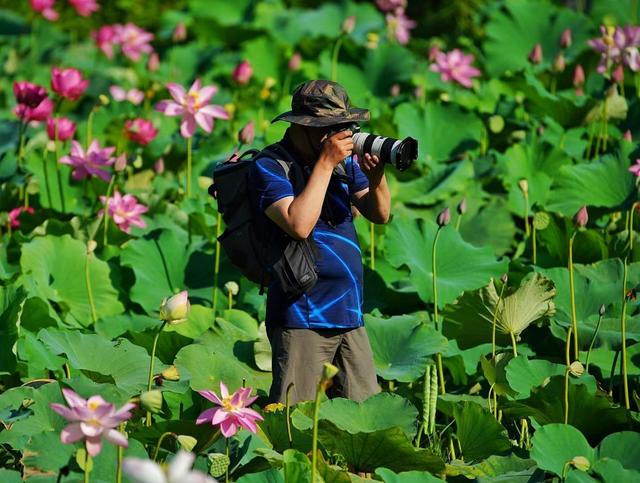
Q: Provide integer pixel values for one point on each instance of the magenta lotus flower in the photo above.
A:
(124, 211)
(455, 66)
(134, 96)
(15, 214)
(242, 73)
(635, 169)
(391, 5)
(140, 131)
(66, 128)
(45, 7)
(91, 163)
(133, 40)
(193, 107)
(85, 7)
(399, 26)
(33, 103)
(617, 46)
(105, 39)
(233, 412)
(92, 420)
(68, 83)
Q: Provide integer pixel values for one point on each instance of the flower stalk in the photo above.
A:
(328, 373)
(189, 148)
(151, 364)
(216, 267)
(566, 375)
(595, 334)
(435, 304)
(574, 318)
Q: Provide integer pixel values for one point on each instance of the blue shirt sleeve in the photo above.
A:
(358, 180)
(270, 182)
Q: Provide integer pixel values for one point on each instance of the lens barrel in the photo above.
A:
(399, 153)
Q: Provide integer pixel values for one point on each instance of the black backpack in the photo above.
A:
(259, 248)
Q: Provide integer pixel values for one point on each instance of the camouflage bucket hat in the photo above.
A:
(321, 103)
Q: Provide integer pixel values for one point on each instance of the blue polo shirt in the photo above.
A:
(336, 300)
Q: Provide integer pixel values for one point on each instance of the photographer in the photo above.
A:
(325, 324)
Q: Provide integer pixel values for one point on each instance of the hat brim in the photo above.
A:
(355, 114)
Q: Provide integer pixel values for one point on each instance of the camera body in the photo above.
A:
(399, 153)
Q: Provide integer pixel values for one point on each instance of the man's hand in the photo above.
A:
(373, 169)
(335, 149)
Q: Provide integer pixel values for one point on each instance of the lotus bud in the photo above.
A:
(434, 50)
(151, 401)
(581, 218)
(158, 166)
(559, 63)
(153, 64)
(171, 373)
(91, 246)
(565, 38)
(576, 368)
(180, 32)
(627, 136)
(462, 206)
(504, 278)
(394, 91)
(121, 162)
(581, 463)
(137, 163)
(535, 56)
(175, 310)
(247, 133)
(232, 288)
(618, 74)
(349, 24)
(523, 184)
(444, 217)
(103, 99)
(372, 40)
(294, 62)
(328, 372)
(242, 73)
(578, 79)
(602, 310)
(187, 443)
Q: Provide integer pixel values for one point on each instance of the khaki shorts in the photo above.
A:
(298, 356)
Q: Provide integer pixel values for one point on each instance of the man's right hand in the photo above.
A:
(336, 148)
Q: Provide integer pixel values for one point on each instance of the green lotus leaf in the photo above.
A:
(267, 476)
(262, 349)
(389, 476)
(478, 432)
(623, 447)
(53, 268)
(409, 243)
(495, 468)
(402, 345)
(555, 445)
(8, 476)
(495, 373)
(10, 309)
(613, 470)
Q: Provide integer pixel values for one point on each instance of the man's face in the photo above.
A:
(317, 135)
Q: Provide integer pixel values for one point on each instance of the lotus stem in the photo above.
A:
(314, 444)
(67, 370)
(593, 339)
(226, 451)
(566, 375)
(89, 125)
(288, 413)
(592, 133)
(574, 318)
(230, 300)
(153, 355)
(334, 61)
(513, 344)
(159, 443)
(189, 147)
(527, 229)
(605, 123)
(87, 276)
(533, 245)
(490, 400)
(435, 307)
(86, 466)
(58, 174)
(458, 220)
(623, 335)
(613, 371)
(372, 245)
(493, 323)
(216, 267)
(106, 210)
(45, 170)
(631, 237)
(120, 454)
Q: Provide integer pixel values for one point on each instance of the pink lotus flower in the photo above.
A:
(66, 128)
(192, 106)
(15, 213)
(179, 470)
(105, 39)
(617, 46)
(140, 131)
(134, 96)
(455, 66)
(45, 7)
(33, 104)
(391, 5)
(85, 7)
(68, 83)
(399, 26)
(90, 163)
(134, 40)
(233, 412)
(635, 169)
(92, 420)
(124, 211)
(242, 73)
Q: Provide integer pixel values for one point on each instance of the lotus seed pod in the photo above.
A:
(601, 310)
(103, 99)
(462, 206)
(581, 463)
(581, 218)
(151, 401)
(187, 443)
(232, 287)
(273, 407)
(91, 246)
(171, 373)
(444, 217)
(541, 220)
(219, 464)
(576, 368)
(523, 184)
(627, 136)
(328, 371)
(496, 124)
(175, 310)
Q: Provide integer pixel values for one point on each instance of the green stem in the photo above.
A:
(226, 451)
(120, 456)
(106, 210)
(334, 59)
(574, 318)
(45, 169)
(314, 444)
(458, 220)
(605, 128)
(86, 466)
(58, 173)
(87, 275)
(566, 375)
(592, 134)
(189, 147)
(288, 414)
(216, 267)
(631, 234)
(159, 443)
(554, 82)
(513, 344)
(593, 339)
(613, 371)
(435, 280)
(533, 241)
(493, 323)
(372, 245)
(89, 126)
(527, 229)
(623, 336)
(153, 355)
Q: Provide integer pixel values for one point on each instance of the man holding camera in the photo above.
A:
(325, 324)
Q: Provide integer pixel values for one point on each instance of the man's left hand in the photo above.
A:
(373, 169)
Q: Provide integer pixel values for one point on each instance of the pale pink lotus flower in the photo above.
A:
(399, 26)
(535, 56)
(85, 7)
(92, 420)
(33, 103)
(134, 96)
(192, 106)
(175, 310)
(233, 412)
(91, 163)
(141, 131)
(247, 133)
(15, 214)
(106, 38)
(242, 73)
(68, 83)
(124, 211)
(635, 169)
(178, 471)
(391, 5)
(66, 128)
(455, 66)
(45, 7)
(294, 62)
(133, 40)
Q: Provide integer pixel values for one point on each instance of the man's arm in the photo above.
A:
(374, 202)
(298, 215)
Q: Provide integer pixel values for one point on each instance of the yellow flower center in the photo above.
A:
(196, 99)
(93, 405)
(228, 405)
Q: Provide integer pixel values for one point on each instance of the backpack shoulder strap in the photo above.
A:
(292, 169)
